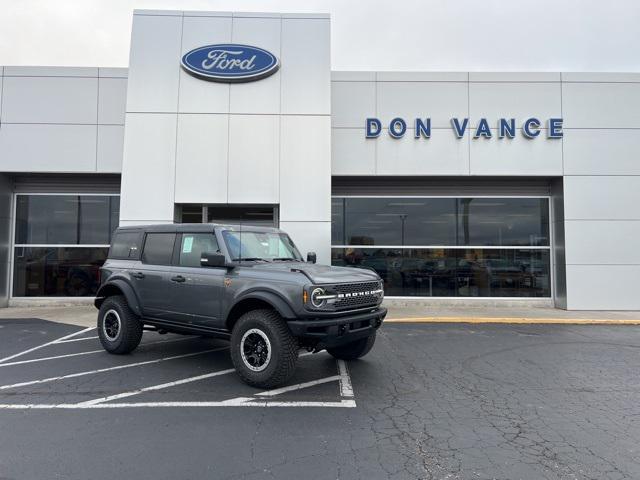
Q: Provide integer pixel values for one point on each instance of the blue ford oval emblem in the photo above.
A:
(230, 62)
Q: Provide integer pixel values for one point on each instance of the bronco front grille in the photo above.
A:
(355, 295)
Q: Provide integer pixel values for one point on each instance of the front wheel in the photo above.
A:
(352, 350)
(263, 350)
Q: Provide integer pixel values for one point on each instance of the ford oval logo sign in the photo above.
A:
(230, 62)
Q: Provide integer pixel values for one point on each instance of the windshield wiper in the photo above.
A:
(285, 259)
(250, 259)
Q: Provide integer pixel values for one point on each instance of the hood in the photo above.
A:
(321, 274)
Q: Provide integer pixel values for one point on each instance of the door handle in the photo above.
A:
(139, 275)
(178, 278)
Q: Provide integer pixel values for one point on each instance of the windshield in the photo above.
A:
(268, 246)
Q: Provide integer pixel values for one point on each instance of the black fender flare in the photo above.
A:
(127, 290)
(276, 301)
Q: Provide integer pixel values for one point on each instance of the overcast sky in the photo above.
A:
(444, 35)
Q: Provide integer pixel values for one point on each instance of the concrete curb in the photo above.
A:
(519, 320)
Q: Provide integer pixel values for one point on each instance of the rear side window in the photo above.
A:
(158, 248)
(194, 245)
(125, 245)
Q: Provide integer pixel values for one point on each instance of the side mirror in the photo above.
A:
(212, 260)
(311, 257)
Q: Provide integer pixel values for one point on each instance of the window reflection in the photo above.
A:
(66, 219)
(59, 272)
(440, 221)
(454, 272)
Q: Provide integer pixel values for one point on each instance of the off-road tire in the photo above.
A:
(283, 345)
(130, 326)
(353, 350)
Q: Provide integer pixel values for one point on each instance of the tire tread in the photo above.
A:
(131, 326)
(289, 353)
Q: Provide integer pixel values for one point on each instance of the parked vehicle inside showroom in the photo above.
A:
(246, 284)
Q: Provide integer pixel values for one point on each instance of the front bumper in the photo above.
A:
(339, 330)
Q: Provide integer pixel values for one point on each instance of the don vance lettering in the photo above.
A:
(502, 128)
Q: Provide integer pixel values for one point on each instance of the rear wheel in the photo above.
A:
(352, 350)
(263, 350)
(119, 329)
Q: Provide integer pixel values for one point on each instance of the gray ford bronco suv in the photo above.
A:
(246, 284)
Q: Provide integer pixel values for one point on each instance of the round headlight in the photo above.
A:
(315, 301)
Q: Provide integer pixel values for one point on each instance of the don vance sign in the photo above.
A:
(501, 128)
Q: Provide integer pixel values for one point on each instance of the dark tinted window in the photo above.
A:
(246, 215)
(440, 221)
(158, 248)
(448, 272)
(394, 221)
(66, 219)
(503, 221)
(194, 245)
(125, 245)
(57, 271)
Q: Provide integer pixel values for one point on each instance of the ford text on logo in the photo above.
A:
(504, 128)
(230, 63)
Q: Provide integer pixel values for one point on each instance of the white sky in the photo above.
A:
(436, 35)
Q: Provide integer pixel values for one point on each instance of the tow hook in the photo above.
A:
(343, 329)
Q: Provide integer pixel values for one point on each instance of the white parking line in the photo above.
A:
(77, 339)
(346, 389)
(42, 359)
(109, 369)
(261, 399)
(299, 386)
(16, 355)
(239, 402)
(156, 387)
(56, 357)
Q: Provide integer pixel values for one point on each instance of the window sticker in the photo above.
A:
(187, 245)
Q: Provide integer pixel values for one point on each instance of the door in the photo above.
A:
(151, 277)
(196, 292)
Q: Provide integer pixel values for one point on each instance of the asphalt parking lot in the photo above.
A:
(431, 401)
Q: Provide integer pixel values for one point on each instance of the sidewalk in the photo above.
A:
(85, 315)
(407, 313)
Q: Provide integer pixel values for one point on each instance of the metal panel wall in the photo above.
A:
(250, 143)
(594, 166)
(62, 119)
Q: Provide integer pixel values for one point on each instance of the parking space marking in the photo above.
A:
(109, 369)
(261, 399)
(156, 387)
(237, 402)
(102, 350)
(346, 389)
(298, 386)
(77, 339)
(42, 359)
(57, 340)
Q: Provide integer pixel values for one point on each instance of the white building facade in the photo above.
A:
(454, 186)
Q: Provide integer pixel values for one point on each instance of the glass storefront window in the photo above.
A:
(454, 272)
(66, 219)
(394, 221)
(57, 271)
(503, 221)
(84, 224)
(440, 221)
(416, 244)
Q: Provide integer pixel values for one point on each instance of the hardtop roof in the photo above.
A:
(197, 228)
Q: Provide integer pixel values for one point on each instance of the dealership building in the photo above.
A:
(454, 186)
